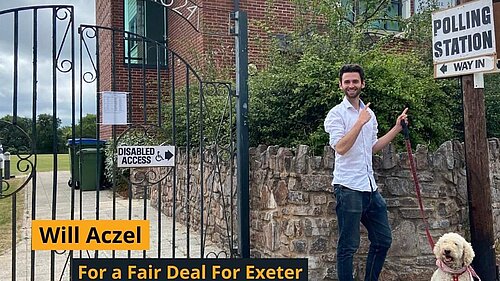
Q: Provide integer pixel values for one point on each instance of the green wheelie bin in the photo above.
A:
(84, 166)
(92, 170)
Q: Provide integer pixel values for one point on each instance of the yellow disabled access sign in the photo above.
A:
(146, 156)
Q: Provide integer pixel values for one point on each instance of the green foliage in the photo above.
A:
(14, 136)
(48, 133)
(195, 118)
(86, 128)
(290, 99)
(398, 81)
(19, 137)
(492, 100)
(418, 29)
(188, 120)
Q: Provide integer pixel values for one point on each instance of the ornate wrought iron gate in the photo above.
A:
(191, 205)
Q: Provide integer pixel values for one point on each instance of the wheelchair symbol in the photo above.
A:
(158, 157)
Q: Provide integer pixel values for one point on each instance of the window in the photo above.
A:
(148, 19)
(132, 43)
(394, 10)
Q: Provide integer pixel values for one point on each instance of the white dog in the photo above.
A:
(454, 256)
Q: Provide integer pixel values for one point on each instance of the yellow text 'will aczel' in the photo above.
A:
(90, 235)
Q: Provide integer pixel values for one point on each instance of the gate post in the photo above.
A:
(242, 164)
(6, 165)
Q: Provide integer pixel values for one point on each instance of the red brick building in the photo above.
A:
(200, 29)
(197, 31)
(202, 26)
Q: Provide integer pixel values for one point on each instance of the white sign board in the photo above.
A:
(146, 156)
(114, 108)
(464, 67)
(497, 67)
(463, 32)
(421, 5)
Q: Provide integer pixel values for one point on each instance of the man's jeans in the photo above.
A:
(370, 209)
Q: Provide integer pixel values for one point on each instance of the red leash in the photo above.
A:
(413, 168)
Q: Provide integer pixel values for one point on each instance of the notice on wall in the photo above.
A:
(114, 108)
(145, 156)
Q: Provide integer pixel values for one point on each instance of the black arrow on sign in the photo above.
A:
(444, 68)
(168, 155)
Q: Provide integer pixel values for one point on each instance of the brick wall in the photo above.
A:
(140, 83)
(210, 49)
(276, 15)
(183, 38)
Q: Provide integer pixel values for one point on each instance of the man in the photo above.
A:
(352, 126)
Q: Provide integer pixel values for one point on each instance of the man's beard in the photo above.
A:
(351, 94)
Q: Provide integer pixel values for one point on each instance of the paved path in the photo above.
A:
(60, 268)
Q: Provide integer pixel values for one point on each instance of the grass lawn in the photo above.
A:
(6, 213)
(44, 163)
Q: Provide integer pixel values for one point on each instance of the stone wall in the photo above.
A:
(213, 183)
(292, 207)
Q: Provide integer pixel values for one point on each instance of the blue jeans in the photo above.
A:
(370, 209)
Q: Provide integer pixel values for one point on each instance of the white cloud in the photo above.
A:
(84, 13)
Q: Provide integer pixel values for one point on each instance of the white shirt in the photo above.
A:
(354, 168)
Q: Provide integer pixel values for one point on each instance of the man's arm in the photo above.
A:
(347, 141)
(389, 136)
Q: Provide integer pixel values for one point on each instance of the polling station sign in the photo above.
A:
(463, 32)
(145, 156)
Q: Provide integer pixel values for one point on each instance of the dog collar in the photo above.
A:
(455, 273)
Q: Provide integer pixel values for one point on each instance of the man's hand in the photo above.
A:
(389, 136)
(364, 115)
(346, 142)
(403, 116)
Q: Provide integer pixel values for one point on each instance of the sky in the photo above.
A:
(84, 13)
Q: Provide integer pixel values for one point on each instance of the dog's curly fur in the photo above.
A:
(455, 252)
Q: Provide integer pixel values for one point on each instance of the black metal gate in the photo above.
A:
(163, 101)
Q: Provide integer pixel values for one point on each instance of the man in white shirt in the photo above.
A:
(352, 126)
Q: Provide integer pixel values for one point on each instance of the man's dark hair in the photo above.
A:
(352, 68)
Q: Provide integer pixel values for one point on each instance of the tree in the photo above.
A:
(86, 128)
(492, 101)
(48, 133)
(16, 136)
(290, 99)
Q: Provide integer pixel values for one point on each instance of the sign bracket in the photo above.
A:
(478, 80)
